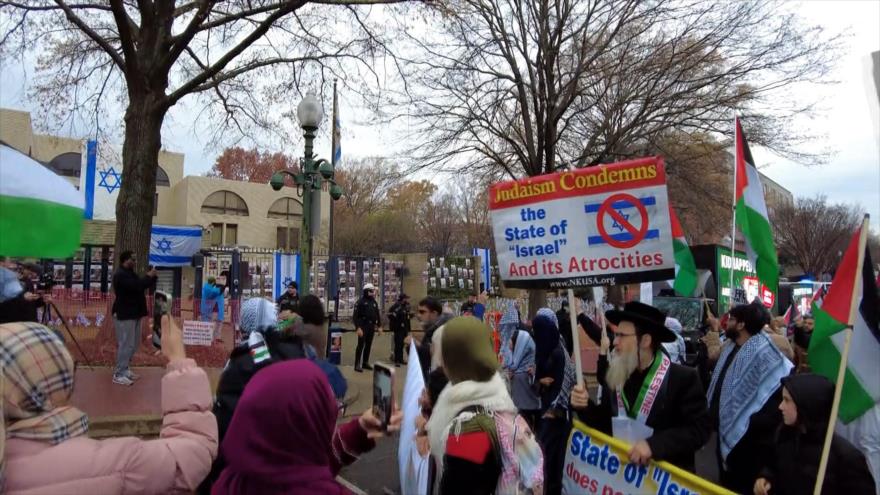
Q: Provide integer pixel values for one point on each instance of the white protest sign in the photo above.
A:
(198, 332)
(594, 226)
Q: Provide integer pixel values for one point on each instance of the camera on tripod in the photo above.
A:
(45, 282)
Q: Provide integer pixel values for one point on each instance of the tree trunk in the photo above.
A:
(140, 159)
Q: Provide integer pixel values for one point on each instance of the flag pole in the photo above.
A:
(575, 337)
(733, 220)
(844, 355)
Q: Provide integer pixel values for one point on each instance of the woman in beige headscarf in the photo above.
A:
(45, 450)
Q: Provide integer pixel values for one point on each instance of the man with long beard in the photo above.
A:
(655, 405)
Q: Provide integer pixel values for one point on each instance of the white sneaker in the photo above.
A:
(131, 375)
(123, 380)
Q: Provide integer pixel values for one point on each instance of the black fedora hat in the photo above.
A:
(646, 318)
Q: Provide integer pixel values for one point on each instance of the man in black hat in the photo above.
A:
(652, 403)
(289, 301)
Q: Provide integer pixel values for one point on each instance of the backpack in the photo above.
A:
(516, 450)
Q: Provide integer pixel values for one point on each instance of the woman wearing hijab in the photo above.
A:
(44, 448)
(550, 372)
(479, 443)
(793, 465)
(521, 371)
(283, 437)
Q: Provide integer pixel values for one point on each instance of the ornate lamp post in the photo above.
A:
(308, 184)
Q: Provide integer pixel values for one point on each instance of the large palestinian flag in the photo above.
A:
(751, 215)
(685, 269)
(851, 300)
(41, 214)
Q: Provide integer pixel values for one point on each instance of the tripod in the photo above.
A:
(47, 318)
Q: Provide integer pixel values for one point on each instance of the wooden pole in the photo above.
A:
(575, 338)
(841, 371)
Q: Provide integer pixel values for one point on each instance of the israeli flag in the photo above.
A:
(286, 271)
(174, 245)
(485, 264)
(100, 180)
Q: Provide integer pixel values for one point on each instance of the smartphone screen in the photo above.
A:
(382, 377)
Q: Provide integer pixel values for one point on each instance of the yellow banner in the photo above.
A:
(598, 463)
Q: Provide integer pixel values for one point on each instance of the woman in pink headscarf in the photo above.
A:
(283, 437)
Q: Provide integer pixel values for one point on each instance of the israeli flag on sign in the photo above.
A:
(174, 245)
(286, 271)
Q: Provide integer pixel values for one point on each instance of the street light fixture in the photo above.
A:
(308, 181)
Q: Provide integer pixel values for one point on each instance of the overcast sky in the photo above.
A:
(851, 176)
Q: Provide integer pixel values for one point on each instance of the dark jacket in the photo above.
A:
(366, 314)
(793, 464)
(679, 417)
(130, 302)
(399, 318)
(286, 301)
(424, 347)
(467, 308)
(236, 375)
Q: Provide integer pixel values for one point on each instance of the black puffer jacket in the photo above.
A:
(236, 375)
(793, 467)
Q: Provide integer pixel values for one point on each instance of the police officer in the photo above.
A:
(367, 320)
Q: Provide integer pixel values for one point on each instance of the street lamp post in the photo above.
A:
(308, 183)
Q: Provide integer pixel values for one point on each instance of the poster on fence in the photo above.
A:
(597, 463)
(600, 225)
(198, 332)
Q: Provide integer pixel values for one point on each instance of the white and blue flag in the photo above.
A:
(286, 271)
(174, 245)
(100, 180)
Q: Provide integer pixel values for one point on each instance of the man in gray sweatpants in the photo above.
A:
(129, 306)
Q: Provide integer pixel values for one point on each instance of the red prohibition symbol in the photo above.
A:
(607, 209)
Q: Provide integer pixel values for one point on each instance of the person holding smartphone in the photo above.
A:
(283, 438)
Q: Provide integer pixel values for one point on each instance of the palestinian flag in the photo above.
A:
(685, 269)
(791, 314)
(751, 215)
(257, 347)
(41, 214)
(853, 289)
(818, 296)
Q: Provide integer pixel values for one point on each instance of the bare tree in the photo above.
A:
(528, 87)
(813, 234)
(440, 225)
(242, 59)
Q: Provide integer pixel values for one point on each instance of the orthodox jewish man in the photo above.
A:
(655, 405)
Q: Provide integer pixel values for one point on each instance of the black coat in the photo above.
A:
(399, 318)
(424, 347)
(366, 314)
(287, 301)
(680, 417)
(793, 463)
(130, 302)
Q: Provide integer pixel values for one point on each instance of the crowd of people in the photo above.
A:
(496, 411)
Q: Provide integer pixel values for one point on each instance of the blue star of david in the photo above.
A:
(617, 225)
(115, 181)
(287, 281)
(164, 245)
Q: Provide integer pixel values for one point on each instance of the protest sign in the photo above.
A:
(597, 463)
(198, 332)
(593, 226)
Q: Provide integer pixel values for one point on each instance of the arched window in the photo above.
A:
(162, 177)
(66, 164)
(285, 209)
(225, 203)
